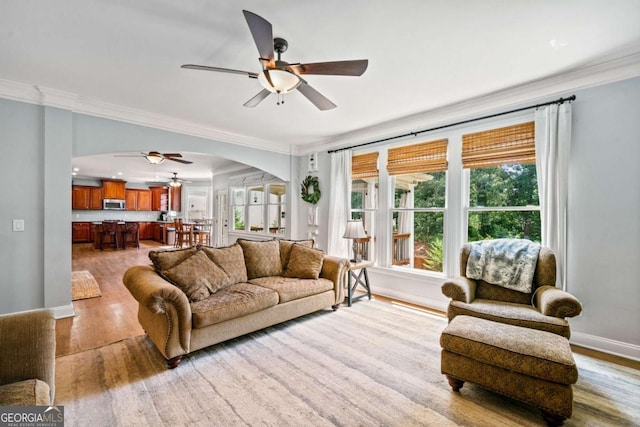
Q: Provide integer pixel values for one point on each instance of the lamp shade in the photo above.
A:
(283, 81)
(355, 230)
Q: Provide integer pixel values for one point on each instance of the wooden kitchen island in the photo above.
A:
(158, 231)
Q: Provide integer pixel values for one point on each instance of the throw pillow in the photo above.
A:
(231, 260)
(197, 276)
(262, 258)
(285, 249)
(165, 259)
(304, 262)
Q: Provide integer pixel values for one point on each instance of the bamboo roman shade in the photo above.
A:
(424, 157)
(507, 145)
(364, 166)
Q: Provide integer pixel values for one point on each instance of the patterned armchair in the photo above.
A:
(544, 308)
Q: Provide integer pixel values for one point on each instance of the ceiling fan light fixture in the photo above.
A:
(154, 159)
(283, 81)
(175, 184)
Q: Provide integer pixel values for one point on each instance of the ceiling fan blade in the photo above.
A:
(186, 162)
(221, 70)
(262, 33)
(335, 68)
(257, 99)
(128, 155)
(315, 97)
(171, 154)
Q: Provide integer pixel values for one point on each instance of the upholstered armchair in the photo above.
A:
(544, 308)
(27, 358)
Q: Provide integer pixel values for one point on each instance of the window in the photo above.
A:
(364, 195)
(500, 170)
(419, 182)
(260, 204)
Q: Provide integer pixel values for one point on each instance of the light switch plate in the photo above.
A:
(18, 225)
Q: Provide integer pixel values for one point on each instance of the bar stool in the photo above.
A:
(131, 234)
(202, 232)
(109, 229)
(183, 233)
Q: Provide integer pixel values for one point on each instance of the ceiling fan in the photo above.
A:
(174, 181)
(281, 77)
(155, 158)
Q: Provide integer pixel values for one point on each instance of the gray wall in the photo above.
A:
(603, 265)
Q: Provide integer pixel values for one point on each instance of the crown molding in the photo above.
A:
(622, 67)
(49, 97)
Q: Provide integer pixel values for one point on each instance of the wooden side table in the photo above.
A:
(357, 275)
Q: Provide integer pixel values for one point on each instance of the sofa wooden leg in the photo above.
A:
(174, 362)
(552, 419)
(335, 307)
(455, 383)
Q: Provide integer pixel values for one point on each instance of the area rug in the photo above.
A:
(374, 364)
(84, 285)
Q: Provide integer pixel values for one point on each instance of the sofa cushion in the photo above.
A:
(304, 262)
(165, 259)
(25, 393)
(232, 302)
(285, 249)
(510, 313)
(197, 276)
(262, 258)
(290, 289)
(231, 260)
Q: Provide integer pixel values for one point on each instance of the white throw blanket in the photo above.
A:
(510, 263)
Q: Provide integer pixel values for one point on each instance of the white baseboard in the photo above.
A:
(606, 345)
(401, 296)
(63, 311)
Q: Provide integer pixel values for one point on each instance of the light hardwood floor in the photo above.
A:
(114, 316)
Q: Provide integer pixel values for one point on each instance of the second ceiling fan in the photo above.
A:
(281, 77)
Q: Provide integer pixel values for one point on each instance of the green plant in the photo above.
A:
(435, 255)
(310, 189)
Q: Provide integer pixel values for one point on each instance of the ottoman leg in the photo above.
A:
(552, 419)
(455, 383)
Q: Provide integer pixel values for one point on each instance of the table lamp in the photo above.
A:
(355, 231)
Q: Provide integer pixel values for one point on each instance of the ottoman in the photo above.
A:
(529, 365)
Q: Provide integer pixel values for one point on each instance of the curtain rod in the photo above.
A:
(416, 133)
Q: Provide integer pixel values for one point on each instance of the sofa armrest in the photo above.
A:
(165, 305)
(28, 348)
(334, 269)
(460, 289)
(555, 302)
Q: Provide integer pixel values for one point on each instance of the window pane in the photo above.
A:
(277, 193)
(506, 185)
(256, 218)
(364, 193)
(418, 240)
(429, 190)
(504, 224)
(256, 195)
(238, 197)
(276, 219)
(238, 217)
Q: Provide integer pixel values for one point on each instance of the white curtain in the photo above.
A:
(339, 203)
(553, 140)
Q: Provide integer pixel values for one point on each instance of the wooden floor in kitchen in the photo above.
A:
(111, 317)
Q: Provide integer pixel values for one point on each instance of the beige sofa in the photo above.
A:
(27, 358)
(196, 297)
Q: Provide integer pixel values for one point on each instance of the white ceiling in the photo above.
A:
(423, 54)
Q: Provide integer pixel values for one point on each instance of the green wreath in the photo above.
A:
(310, 189)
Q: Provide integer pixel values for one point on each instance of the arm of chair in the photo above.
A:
(460, 289)
(165, 313)
(28, 348)
(334, 269)
(555, 302)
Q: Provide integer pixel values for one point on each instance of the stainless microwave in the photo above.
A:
(113, 204)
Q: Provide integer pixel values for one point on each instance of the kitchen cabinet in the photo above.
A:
(85, 197)
(137, 200)
(176, 198)
(113, 189)
(159, 198)
(81, 232)
(145, 230)
(95, 198)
